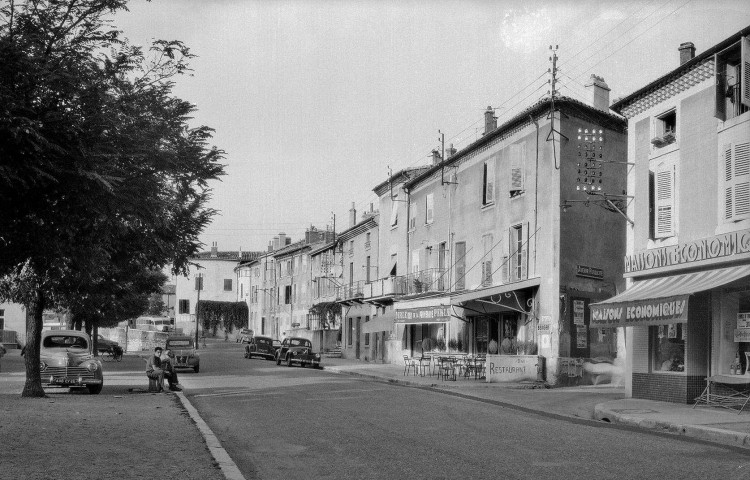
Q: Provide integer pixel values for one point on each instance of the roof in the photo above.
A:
(233, 256)
(679, 71)
(323, 248)
(362, 226)
(289, 249)
(399, 177)
(566, 104)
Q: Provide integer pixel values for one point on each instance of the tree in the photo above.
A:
(99, 169)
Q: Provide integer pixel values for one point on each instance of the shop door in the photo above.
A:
(579, 327)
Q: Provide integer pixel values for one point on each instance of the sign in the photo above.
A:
(589, 272)
(582, 336)
(741, 335)
(544, 325)
(440, 313)
(512, 368)
(726, 245)
(578, 308)
(743, 321)
(641, 312)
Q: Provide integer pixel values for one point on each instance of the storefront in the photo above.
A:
(427, 324)
(681, 328)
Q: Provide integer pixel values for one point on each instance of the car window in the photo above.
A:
(64, 341)
(179, 343)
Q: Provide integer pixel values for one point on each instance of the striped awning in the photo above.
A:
(662, 300)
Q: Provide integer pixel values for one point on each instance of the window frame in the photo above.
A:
(488, 182)
(429, 208)
(230, 285)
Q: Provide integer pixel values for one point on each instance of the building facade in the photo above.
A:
(687, 305)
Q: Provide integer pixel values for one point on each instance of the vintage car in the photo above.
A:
(109, 347)
(66, 360)
(185, 354)
(297, 350)
(260, 346)
(244, 335)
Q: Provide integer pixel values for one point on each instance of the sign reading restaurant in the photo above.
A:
(726, 245)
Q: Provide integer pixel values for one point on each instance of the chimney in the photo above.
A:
(283, 240)
(276, 242)
(687, 52)
(490, 120)
(214, 250)
(270, 247)
(599, 91)
(451, 151)
(436, 157)
(352, 215)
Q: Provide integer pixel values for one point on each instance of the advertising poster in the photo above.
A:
(578, 308)
(743, 321)
(582, 336)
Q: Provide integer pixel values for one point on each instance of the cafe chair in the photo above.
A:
(409, 364)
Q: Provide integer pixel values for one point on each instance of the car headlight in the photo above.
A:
(92, 367)
(42, 366)
(317, 356)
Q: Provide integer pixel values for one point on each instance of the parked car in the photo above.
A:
(67, 360)
(185, 354)
(260, 346)
(244, 335)
(158, 324)
(297, 350)
(108, 347)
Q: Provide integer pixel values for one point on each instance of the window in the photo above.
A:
(198, 283)
(429, 202)
(518, 253)
(367, 268)
(394, 210)
(668, 347)
(665, 129)
(415, 261)
(367, 339)
(736, 173)
(349, 332)
(732, 73)
(351, 247)
(242, 290)
(227, 284)
(517, 169)
(412, 215)
(460, 266)
(367, 241)
(487, 260)
(262, 325)
(287, 294)
(488, 182)
(664, 183)
(351, 273)
(183, 306)
(394, 263)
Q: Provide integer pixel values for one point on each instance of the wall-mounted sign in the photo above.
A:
(640, 312)
(578, 309)
(544, 325)
(589, 272)
(582, 336)
(726, 245)
(440, 313)
(741, 335)
(743, 321)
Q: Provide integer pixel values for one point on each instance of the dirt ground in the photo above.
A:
(124, 435)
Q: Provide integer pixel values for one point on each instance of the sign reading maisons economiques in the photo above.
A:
(719, 247)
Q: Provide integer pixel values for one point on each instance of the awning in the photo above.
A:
(500, 289)
(378, 324)
(662, 300)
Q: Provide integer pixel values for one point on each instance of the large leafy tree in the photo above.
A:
(102, 179)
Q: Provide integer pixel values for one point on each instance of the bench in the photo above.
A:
(153, 384)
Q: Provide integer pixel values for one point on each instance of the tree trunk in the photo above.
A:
(33, 385)
(95, 339)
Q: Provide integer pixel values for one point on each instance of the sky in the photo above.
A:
(314, 101)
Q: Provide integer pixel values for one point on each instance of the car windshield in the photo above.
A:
(298, 342)
(64, 341)
(179, 343)
(264, 341)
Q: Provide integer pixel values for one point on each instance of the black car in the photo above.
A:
(110, 347)
(297, 350)
(260, 346)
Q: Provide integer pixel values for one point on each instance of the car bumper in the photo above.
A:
(73, 381)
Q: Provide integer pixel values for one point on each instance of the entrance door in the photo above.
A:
(357, 327)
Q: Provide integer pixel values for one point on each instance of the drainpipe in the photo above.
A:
(536, 209)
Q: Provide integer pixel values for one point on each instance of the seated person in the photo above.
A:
(156, 370)
(170, 373)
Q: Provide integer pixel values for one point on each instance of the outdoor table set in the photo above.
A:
(446, 367)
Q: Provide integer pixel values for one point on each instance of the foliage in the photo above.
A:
(102, 181)
(228, 315)
(156, 305)
(453, 344)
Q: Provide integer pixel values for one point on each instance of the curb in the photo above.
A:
(222, 458)
(700, 432)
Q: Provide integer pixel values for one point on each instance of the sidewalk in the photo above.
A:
(595, 403)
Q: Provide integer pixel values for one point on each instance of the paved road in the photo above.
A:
(279, 422)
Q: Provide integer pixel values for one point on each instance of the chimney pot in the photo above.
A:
(490, 120)
(214, 250)
(599, 91)
(451, 151)
(436, 157)
(352, 215)
(687, 52)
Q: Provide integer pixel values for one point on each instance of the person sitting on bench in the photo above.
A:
(156, 371)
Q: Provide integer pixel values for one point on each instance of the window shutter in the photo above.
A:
(460, 265)
(737, 181)
(394, 210)
(490, 186)
(720, 69)
(504, 270)
(412, 215)
(518, 160)
(487, 273)
(745, 71)
(664, 201)
(524, 259)
(429, 207)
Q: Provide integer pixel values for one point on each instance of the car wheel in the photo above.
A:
(197, 368)
(94, 389)
(288, 361)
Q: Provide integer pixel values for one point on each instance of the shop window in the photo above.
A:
(732, 80)
(668, 347)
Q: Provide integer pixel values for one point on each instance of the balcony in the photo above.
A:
(351, 292)
(430, 280)
(386, 287)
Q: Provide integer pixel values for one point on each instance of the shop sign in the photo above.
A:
(641, 312)
(743, 321)
(578, 308)
(511, 368)
(424, 314)
(589, 272)
(726, 245)
(741, 335)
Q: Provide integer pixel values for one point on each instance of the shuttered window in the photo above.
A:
(429, 208)
(460, 266)
(517, 164)
(487, 244)
(394, 211)
(412, 216)
(488, 184)
(518, 252)
(664, 204)
(736, 157)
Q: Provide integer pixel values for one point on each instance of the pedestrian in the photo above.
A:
(2, 353)
(169, 372)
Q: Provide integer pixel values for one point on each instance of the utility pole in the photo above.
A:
(200, 287)
(553, 82)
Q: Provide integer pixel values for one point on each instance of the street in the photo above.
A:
(279, 422)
